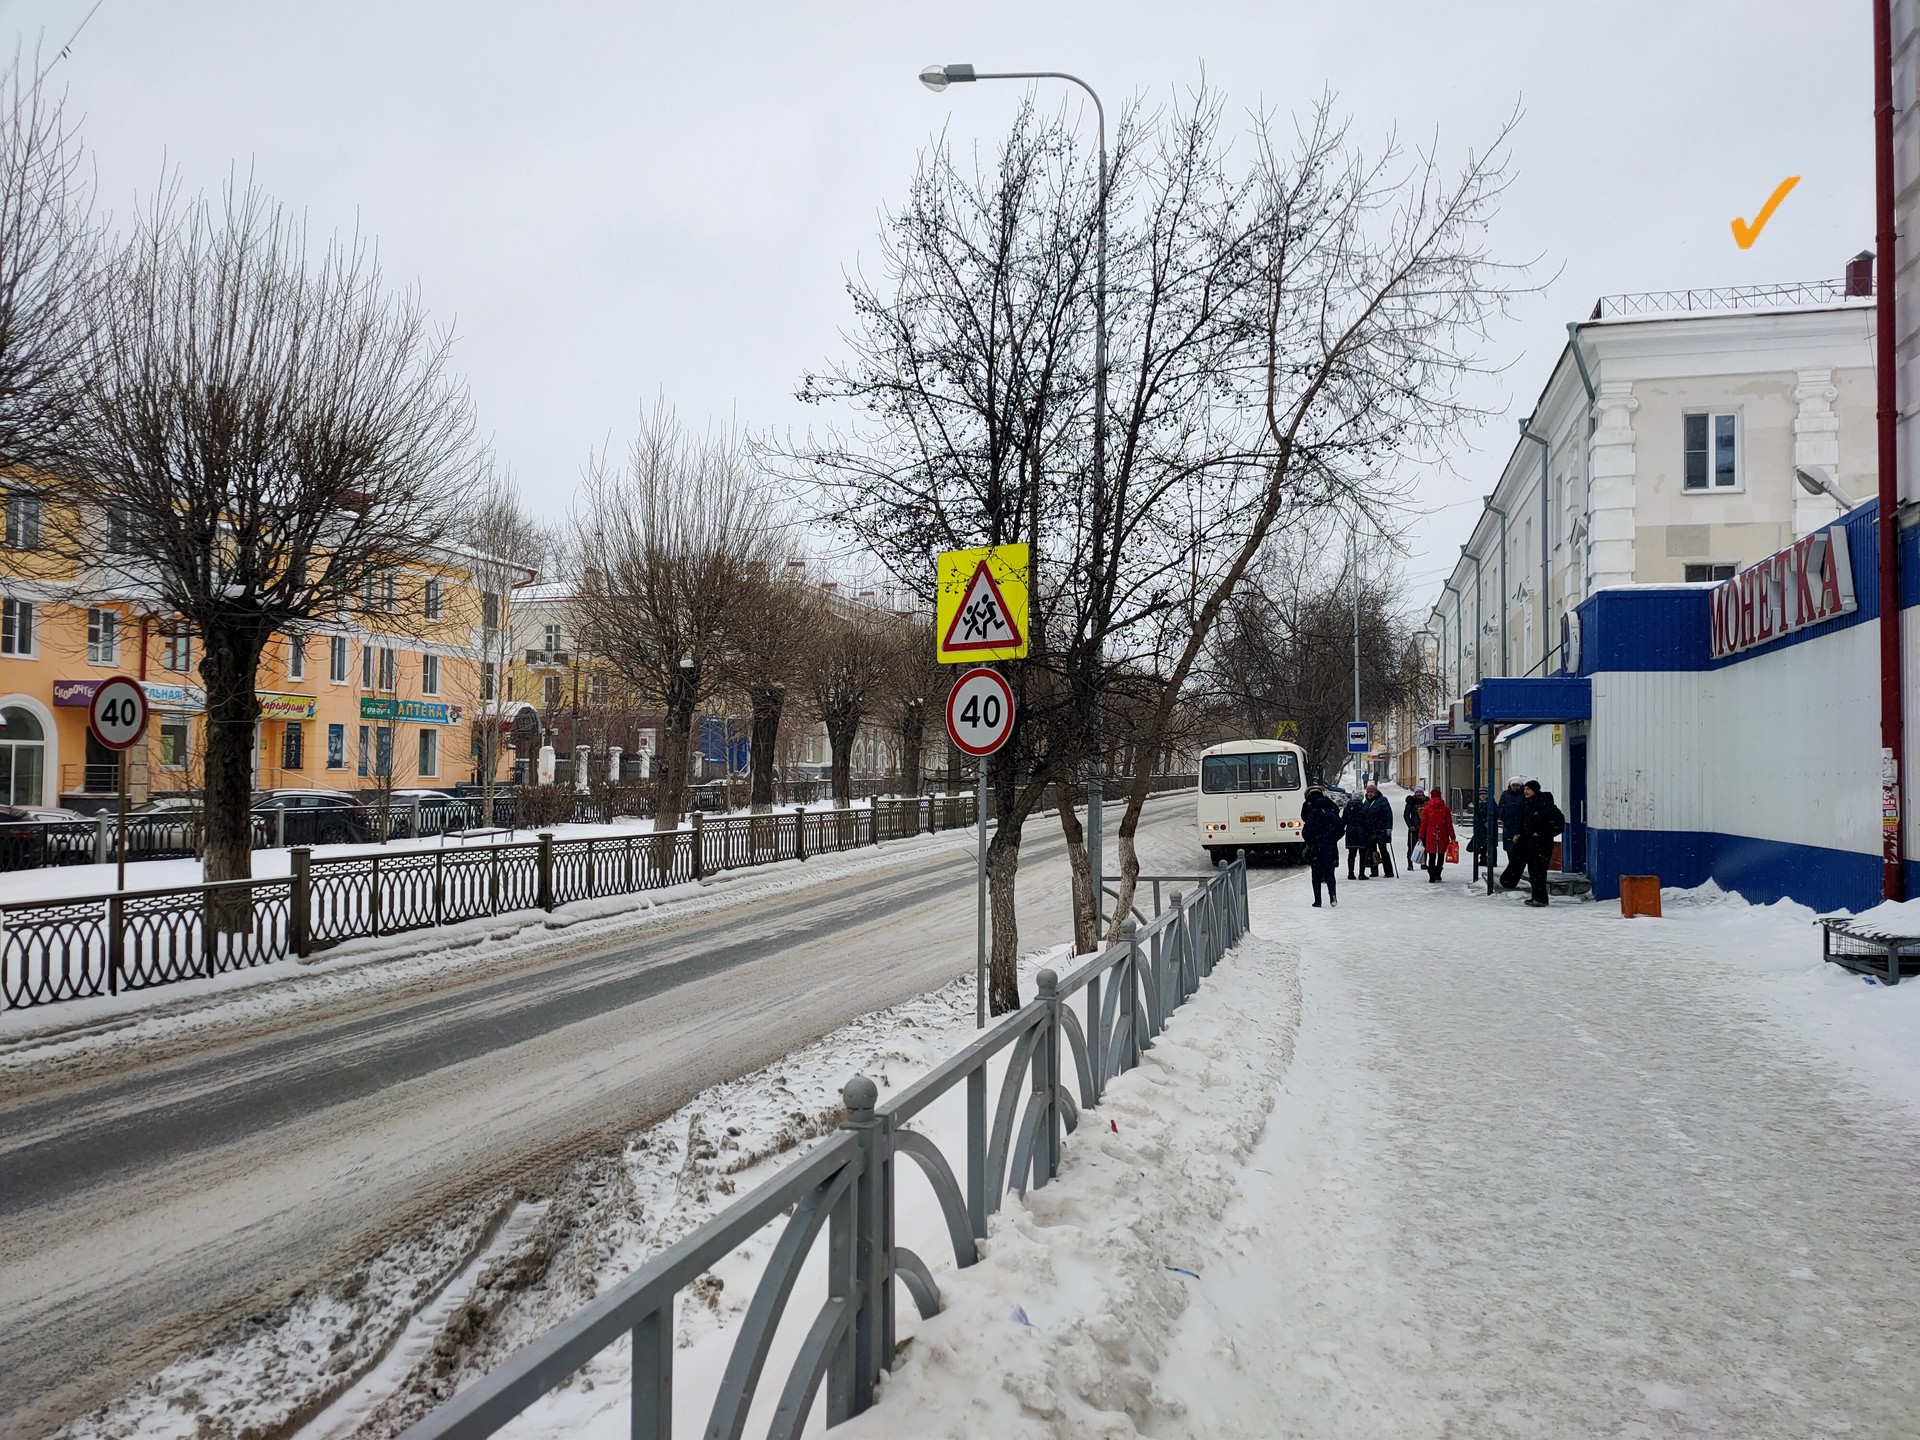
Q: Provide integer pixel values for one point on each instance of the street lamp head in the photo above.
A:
(1818, 480)
(937, 77)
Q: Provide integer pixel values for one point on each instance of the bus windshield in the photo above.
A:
(1236, 774)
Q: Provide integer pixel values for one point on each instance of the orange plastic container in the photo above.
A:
(1640, 895)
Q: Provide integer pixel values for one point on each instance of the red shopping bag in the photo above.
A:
(1453, 852)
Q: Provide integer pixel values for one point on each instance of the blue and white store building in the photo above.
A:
(1726, 732)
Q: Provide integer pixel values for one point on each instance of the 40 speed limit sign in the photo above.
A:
(118, 714)
(979, 711)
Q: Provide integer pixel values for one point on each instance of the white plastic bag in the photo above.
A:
(1419, 854)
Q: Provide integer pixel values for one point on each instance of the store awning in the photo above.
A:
(1544, 700)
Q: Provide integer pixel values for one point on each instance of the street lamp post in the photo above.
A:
(936, 78)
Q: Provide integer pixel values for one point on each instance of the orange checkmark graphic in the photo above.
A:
(1745, 234)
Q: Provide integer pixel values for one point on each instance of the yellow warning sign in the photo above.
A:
(980, 605)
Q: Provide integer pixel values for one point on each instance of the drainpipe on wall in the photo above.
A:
(1504, 662)
(1546, 545)
(1448, 587)
(1479, 615)
(1892, 704)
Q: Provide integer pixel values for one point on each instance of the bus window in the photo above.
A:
(1287, 771)
(1223, 774)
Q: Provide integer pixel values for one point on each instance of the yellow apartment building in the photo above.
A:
(383, 697)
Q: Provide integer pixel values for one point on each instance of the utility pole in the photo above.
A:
(1353, 567)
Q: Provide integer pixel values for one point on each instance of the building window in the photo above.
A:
(337, 661)
(16, 629)
(103, 637)
(296, 657)
(1698, 573)
(597, 689)
(1712, 451)
(429, 754)
(429, 674)
(23, 521)
(23, 756)
(550, 691)
(176, 651)
(390, 592)
(552, 638)
(176, 735)
(489, 610)
(389, 669)
(430, 599)
(489, 679)
(366, 667)
(383, 751)
(293, 746)
(366, 741)
(336, 747)
(119, 530)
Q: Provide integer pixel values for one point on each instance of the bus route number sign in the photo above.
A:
(979, 712)
(118, 714)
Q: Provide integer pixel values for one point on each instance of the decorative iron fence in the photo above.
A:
(72, 949)
(1053, 1062)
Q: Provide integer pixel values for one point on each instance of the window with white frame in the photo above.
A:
(489, 610)
(176, 735)
(597, 690)
(1712, 450)
(429, 754)
(552, 638)
(176, 651)
(296, 657)
(550, 691)
(103, 637)
(1698, 573)
(430, 598)
(366, 667)
(389, 669)
(119, 530)
(338, 661)
(390, 591)
(23, 520)
(429, 674)
(16, 627)
(489, 680)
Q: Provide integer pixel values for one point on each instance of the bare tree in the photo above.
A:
(666, 545)
(46, 269)
(851, 663)
(766, 661)
(264, 434)
(918, 694)
(509, 549)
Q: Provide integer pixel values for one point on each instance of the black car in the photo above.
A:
(36, 835)
(313, 817)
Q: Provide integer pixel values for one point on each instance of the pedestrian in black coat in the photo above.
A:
(1354, 817)
(1321, 826)
(1379, 813)
(1540, 825)
(1410, 812)
(1512, 802)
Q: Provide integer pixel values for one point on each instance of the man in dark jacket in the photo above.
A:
(1354, 819)
(1512, 802)
(1379, 813)
(1540, 825)
(1410, 812)
(1320, 829)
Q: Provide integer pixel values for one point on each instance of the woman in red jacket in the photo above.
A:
(1436, 833)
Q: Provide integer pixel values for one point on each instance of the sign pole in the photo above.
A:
(980, 917)
(120, 883)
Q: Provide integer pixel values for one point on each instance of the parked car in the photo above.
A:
(36, 835)
(313, 817)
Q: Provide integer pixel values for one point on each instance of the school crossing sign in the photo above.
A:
(980, 605)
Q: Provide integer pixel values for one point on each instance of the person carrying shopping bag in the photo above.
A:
(1436, 833)
(1410, 812)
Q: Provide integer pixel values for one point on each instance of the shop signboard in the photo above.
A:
(417, 712)
(1808, 583)
(286, 707)
(78, 694)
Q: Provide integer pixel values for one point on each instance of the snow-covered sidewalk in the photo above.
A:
(1527, 1173)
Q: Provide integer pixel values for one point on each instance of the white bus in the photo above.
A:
(1250, 794)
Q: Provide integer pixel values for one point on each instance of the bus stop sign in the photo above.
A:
(1359, 737)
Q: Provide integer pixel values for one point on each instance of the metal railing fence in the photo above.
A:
(1056, 1064)
(76, 948)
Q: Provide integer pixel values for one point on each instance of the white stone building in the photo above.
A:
(1663, 448)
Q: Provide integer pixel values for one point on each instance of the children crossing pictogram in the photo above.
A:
(982, 622)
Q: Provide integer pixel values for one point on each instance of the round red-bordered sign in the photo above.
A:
(118, 714)
(979, 711)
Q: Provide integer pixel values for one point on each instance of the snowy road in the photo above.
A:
(144, 1209)
(1527, 1174)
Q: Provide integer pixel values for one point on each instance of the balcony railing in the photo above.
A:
(1724, 297)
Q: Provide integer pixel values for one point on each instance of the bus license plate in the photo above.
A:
(1253, 819)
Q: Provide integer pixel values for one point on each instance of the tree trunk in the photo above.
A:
(912, 725)
(840, 740)
(1003, 960)
(1086, 919)
(953, 768)
(228, 665)
(676, 745)
(763, 744)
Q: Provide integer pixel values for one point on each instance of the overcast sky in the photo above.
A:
(612, 200)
